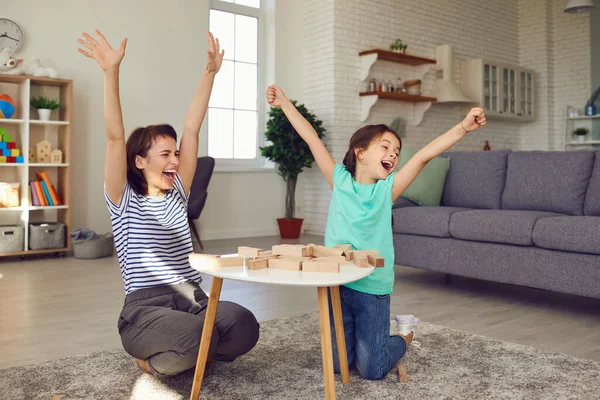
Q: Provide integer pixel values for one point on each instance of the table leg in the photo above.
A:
(326, 349)
(207, 330)
(339, 333)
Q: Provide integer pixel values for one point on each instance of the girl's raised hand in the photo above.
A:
(474, 119)
(275, 96)
(100, 50)
(215, 54)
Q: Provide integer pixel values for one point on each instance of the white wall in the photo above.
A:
(166, 55)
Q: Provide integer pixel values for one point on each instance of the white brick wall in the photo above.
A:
(572, 67)
(527, 32)
(557, 46)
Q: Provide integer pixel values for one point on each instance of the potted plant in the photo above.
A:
(398, 46)
(581, 133)
(291, 154)
(44, 106)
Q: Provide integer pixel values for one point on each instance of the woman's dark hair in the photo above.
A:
(140, 141)
(361, 140)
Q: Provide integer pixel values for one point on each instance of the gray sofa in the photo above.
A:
(524, 218)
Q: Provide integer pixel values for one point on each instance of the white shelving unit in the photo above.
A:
(582, 121)
(414, 106)
(26, 132)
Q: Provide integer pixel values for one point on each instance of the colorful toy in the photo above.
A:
(7, 106)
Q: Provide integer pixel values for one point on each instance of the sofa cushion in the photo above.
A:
(426, 189)
(592, 196)
(403, 202)
(475, 179)
(547, 181)
(426, 221)
(576, 234)
(497, 226)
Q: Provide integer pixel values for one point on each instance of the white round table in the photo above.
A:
(349, 272)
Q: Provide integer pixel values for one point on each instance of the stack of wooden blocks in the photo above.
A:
(308, 258)
(8, 149)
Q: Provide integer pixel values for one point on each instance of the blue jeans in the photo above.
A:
(367, 331)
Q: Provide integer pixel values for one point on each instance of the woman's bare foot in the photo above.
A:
(144, 365)
(407, 338)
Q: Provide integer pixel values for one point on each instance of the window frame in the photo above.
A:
(232, 164)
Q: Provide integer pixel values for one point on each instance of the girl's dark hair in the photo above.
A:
(361, 140)
(140, 141)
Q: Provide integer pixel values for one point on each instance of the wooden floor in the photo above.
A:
(52, 308)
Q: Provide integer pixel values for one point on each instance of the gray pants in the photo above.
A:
(164, 324)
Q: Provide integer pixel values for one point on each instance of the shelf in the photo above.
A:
(46, 165)
(397, 57)
(597, 116)
(34, 208)
(583, 143)
(399, 96)
(42, 80)
(58, 132)
(8, 209)
(368, 58)
(29, 252)
(420, 103)
(32, 165)
(38, 122)
(12, 121)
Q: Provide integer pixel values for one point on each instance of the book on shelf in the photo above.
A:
(43, 193)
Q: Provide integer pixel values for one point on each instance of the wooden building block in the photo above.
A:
(7, 138)
(265, 253)
(321, 266)
(15, 152)
(349, 255)
(11, 145)
(322, 251)
(255, 264)
(211, 260)
(369, 252)
(377, 262)
(244, 251)
(361, 260)
(344, 247)
(11, 159)
(291, 264)
(294, 250)
(338, 259)
(2, 159)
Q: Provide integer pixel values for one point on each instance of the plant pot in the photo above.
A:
(44, 114)
(581, 138)
(289, 228)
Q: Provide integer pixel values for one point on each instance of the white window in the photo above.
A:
(233, 111)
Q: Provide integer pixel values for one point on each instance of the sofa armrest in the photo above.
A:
(403, 202)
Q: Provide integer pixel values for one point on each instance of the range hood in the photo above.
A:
(444, 87)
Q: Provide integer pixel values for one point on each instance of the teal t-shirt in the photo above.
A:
(361, 215)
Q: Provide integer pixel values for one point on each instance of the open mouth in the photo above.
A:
(387, 165)
(169, 174)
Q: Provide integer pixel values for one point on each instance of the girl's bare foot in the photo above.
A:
(407, 338)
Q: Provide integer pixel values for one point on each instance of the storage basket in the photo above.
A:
(46, 235)
(99, 247)
(11, 239)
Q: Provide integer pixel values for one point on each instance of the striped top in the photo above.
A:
(152, 236)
